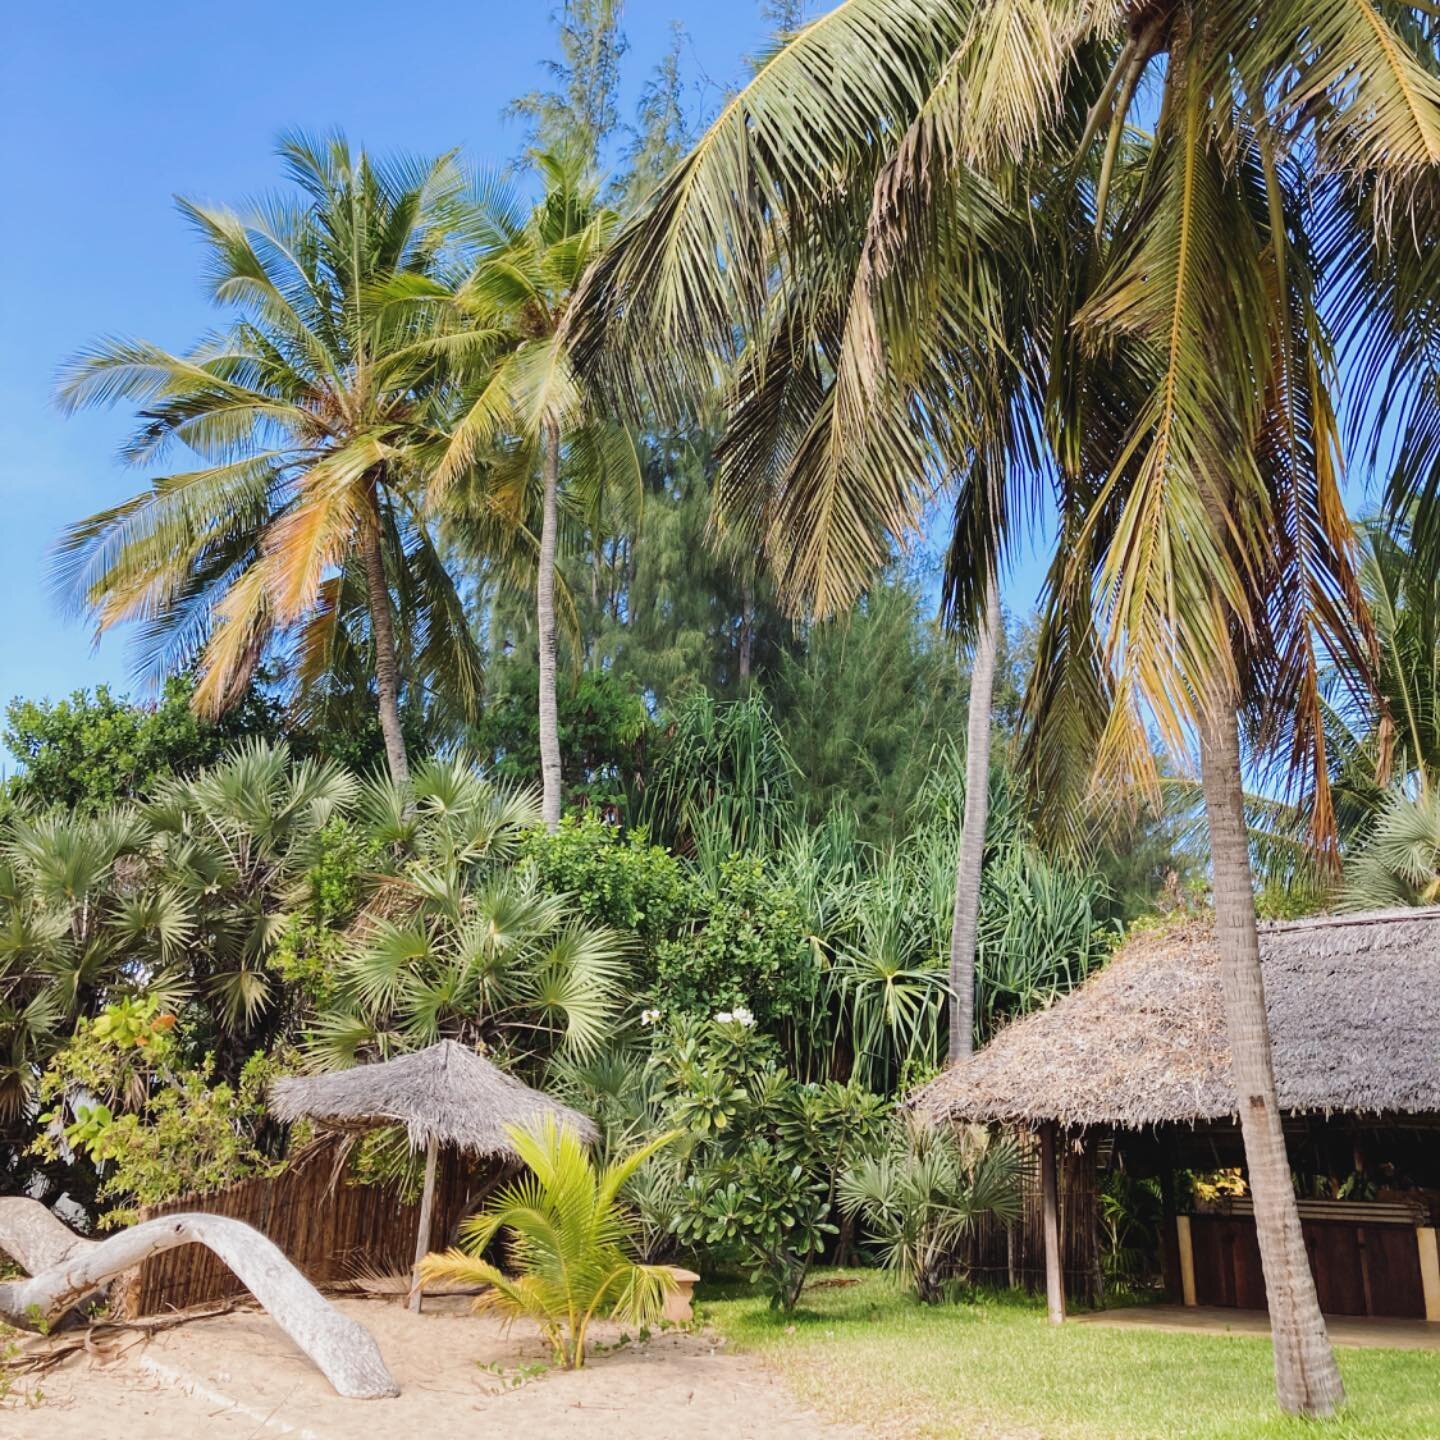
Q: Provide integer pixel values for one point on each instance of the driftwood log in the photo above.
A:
(66, 1269)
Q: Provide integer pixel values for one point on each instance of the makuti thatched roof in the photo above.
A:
(1354, 1005)
(446, 1094)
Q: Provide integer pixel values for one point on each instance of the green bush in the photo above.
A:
(93, 749)
(757, 1180)
(616, 879)
(153, 1126)
(750, 950)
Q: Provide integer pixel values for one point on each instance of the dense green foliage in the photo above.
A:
(93, 749)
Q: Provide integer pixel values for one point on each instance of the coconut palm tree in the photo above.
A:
(948, 244)
(304, 520)
(525, 411)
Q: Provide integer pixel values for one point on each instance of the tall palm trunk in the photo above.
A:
(382, 626)
(1307, 1380)
(747, 606)
(545, 617)
(965, 920)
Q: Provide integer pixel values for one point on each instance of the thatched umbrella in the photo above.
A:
(445, 1095)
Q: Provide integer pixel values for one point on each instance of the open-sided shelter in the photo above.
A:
(1134, 1068)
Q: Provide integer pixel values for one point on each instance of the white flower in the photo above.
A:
(742, 1016)
(724, 1017)
(649, 1017)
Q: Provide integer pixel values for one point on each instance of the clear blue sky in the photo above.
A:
(108, 111)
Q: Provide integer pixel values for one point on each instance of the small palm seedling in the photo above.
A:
(929, 1187)
(569, 1243)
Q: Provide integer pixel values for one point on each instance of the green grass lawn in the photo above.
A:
(994, 1370)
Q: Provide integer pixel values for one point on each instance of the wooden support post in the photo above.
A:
(1050, 1196)
(1429, 1270)
(422, 1232)
(1187, 1260)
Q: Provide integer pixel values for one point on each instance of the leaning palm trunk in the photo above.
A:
(966, 917)
(68, 1269)
(387, 668)
(1307, 1379)
(545, 615)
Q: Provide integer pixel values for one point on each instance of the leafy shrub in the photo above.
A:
(750, 949)
(154, 1127)
(756, 1181)
(617, 879)
(93, 749)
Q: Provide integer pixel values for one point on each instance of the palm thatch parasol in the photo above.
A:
(444, 1095)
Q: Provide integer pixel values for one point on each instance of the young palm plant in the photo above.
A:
(926, 1191)
(568, 1233)
(305, 515)
(949, 245)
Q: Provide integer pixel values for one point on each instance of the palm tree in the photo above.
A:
(949, 245)
(570, 1237)
(307, 416)
(525, 408)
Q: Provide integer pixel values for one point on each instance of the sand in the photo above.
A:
(238, 1376)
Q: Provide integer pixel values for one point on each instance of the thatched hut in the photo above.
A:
(1134, 1068)
(443, 1096)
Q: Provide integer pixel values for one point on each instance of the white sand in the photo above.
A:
(245, 1380)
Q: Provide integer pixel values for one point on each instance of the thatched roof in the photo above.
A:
(445, 1093)
(1354, 1005)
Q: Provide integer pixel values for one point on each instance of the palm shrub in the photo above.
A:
(184, 897)
(568, 1233)
(460, 939)
(1399, 863)
(925, 1190)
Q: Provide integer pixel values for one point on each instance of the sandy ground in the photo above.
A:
(237, 1377)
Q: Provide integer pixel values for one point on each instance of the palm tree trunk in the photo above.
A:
(747, 605)
(545, 616)
(1307, 1379)
(965, 920)
(387, 668)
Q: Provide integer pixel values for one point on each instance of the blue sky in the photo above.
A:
(108, 111)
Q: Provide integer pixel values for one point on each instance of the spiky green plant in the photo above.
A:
(460, 942)
(568, 1233)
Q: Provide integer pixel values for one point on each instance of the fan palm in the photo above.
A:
(949, 245)
(458, 942)
(1400, 861)
(524, 409)
(307, 416)
(926, 1191)
(569, 1236)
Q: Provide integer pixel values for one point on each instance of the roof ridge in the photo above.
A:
(1396, 915)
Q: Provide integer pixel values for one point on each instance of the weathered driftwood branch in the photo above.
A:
(343, 1349)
